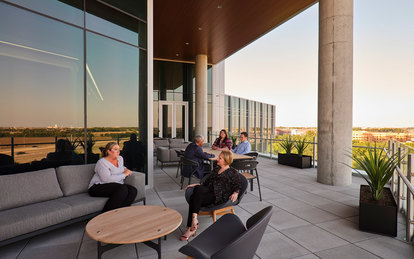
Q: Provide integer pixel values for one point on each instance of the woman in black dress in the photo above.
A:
(222, 184)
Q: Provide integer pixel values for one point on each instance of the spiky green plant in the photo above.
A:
(301, 145)
(234, 139)
(287, 145)
(378, 167)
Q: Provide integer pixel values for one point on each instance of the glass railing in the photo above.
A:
(402, 183)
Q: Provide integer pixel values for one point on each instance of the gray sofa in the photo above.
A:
(35, 202)
(165, 149)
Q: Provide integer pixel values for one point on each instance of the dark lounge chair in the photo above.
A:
(229, 238)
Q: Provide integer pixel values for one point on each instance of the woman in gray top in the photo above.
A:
(108, 180)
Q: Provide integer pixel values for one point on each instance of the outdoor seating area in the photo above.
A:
(309, 220)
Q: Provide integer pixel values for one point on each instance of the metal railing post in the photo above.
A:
(12, 148)
(117, 139)
(409, 214)
(314, 152)
(399, 183)
(393, 174)
(56, 139)
(271, 148)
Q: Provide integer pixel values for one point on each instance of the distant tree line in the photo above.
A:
(65, 132)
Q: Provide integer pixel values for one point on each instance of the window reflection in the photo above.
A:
(70, 11)
(106, 20)
(112, 91)
(41, 80)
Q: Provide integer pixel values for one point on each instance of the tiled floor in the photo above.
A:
(309, 220)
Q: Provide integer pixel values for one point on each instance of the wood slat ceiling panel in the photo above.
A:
(224, 30)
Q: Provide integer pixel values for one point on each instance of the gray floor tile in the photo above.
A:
(347, 230)
(335, 196)
(289, 203)
(352, 203)
(282, 220)
(346, 252)
(313, 214)
(340, 210)
(354, 219)
(313, 238)
(275, 245)
(254, 207)
(61, 243)
(308, 256)
(312, 199)
(387, 247)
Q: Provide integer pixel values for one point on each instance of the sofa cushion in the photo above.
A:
(22, 220)
(176, 140)
(74, 179)
(83, 204)
(161, 143)
(173, 156)
(179, 145)
(27, 188)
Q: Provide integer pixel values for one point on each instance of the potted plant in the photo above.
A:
(234, 139)
(377, 207)
(296, 160)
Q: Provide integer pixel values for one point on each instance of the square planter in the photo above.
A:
(294, 160)
(377, 216)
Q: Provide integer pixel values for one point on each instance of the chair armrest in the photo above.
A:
(224, 231)
(163, 154)
(137, 180)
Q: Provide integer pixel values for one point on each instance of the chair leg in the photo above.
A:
(178, 169)
(189, 180)
(258, 184)
(214, 216)
(182, 182)
(251, 185)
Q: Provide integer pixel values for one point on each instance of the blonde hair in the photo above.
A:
(227, 156)
(108, 146)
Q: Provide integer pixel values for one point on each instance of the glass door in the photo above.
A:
(173, 119)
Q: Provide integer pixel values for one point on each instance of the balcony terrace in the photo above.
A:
(310, 220)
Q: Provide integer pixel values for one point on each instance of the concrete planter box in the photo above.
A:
(294, 160)
(378, 216)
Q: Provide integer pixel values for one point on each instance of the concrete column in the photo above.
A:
(218, 97)
(335, 91)
(201, 116)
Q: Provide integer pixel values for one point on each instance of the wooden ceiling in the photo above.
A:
(217, 28)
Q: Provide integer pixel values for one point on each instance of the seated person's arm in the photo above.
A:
(203, 155)
(229, 144)
(215, 144)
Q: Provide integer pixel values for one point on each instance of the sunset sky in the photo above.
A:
(281, 68)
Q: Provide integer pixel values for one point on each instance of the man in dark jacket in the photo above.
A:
(195, 152)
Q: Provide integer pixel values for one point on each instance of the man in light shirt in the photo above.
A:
(244, 147)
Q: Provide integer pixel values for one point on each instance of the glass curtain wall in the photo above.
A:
(235, 116)
(243, 115)
(227, 113)
(49, 61)
(252, 123)
(175, 82)
(256, 118)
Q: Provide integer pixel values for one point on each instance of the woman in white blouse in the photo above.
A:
(108, 180)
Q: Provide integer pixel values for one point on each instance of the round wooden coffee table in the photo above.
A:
(131, 225)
